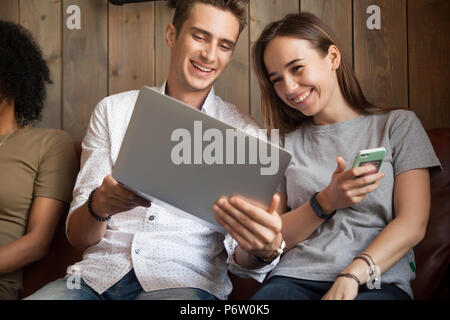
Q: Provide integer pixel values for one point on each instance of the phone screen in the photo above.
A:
(375, 163)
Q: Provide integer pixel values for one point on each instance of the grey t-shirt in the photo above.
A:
(332, 247)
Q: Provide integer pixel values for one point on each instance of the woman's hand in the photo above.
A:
(256, 228)
(348, 188)
(342, 289)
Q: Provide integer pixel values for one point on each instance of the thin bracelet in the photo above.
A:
(374, 267)
(369, 256)
(349, 275)
(371, 269)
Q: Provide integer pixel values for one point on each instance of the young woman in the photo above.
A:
(37, 166)
(312, 96)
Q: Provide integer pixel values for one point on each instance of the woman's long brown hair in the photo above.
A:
(306, 26)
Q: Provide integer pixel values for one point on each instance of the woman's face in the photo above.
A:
(301, 76)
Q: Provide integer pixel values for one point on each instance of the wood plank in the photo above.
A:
(131, 46)
(163, 17)
(9, 10)
(381, 55)
(43, 18)
(262, 12)
(429, 65)
(85, 67)
(338, 15)
(233, 84)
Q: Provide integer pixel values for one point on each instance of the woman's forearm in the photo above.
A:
(299, 224)
(393, 242)
(20, 252)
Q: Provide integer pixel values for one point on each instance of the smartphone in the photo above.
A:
(368, 157)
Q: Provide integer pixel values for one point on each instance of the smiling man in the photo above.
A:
(134, 249)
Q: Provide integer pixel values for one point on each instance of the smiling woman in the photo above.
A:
(311, 33)
(345, 228)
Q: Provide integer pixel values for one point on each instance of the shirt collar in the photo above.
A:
(208, 105)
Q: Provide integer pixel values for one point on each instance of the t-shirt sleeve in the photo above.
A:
(57, 168)
(282, 187)
(411, 147)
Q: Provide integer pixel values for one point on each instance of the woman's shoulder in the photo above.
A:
(49, 137)
(289, 139)
(47, 132)
(401, 114)
(400, 120)
(392, 115)
(394, 119)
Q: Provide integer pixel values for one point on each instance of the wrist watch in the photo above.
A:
(318, 209)
(274, 254)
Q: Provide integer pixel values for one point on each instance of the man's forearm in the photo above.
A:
(83, 230)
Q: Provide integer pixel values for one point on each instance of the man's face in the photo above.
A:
(203, 48)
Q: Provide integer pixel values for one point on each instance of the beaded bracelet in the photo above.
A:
(91, 211)
(351, 276)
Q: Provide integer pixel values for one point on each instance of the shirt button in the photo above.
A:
(137, 251)
(151, 218)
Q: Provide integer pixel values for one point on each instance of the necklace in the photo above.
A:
(6, 138)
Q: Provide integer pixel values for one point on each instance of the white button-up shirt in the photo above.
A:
(166, 249)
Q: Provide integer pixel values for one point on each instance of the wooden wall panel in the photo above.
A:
(44, 19)
(381, 55)
(85, 68)
(233, 84)
(262, 12)
(338, 15)
(429, 64)
(9, 10)
(122, 48)
(131, 46)
(163, 16)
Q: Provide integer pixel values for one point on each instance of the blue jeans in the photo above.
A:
(285, 288)
(127, 288)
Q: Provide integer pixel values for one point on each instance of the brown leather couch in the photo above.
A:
(432, 254)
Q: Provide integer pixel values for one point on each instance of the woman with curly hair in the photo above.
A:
(37, 166)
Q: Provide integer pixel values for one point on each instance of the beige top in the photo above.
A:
(34, 162)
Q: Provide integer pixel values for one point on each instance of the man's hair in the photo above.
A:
(183, 9)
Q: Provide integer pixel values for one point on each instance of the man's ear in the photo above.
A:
(335, 57)
(171, 35)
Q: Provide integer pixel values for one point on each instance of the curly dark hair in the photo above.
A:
(23, 72)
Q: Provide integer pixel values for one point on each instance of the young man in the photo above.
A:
(134, 249)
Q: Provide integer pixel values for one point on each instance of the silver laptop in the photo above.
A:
(177, 155)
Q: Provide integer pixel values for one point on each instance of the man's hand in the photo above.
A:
(111, 198)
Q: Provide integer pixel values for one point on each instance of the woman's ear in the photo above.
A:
(335, 57)
(171, 35)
